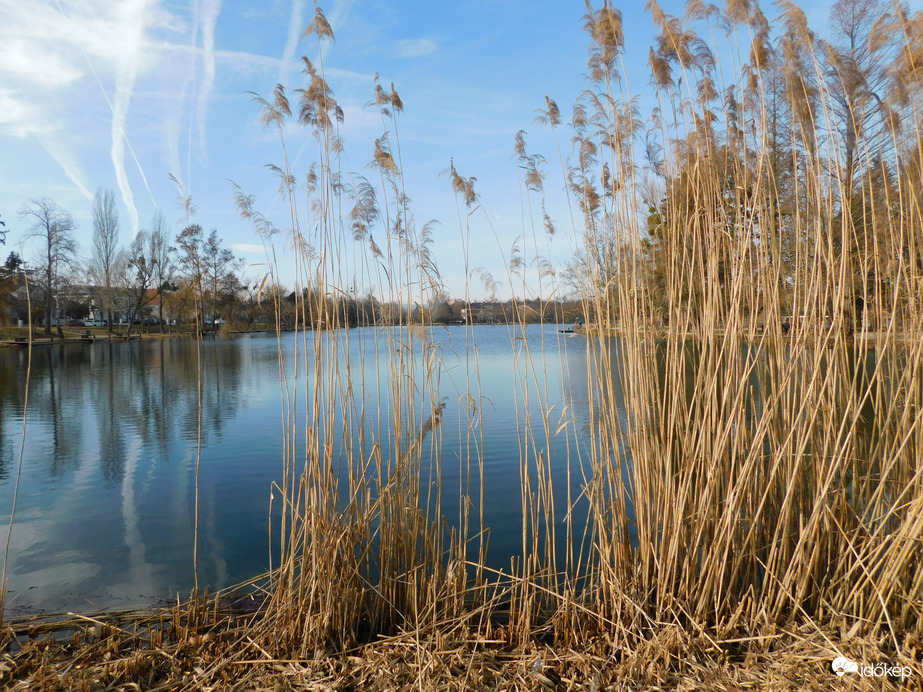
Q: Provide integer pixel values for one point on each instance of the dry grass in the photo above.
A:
(197, 646)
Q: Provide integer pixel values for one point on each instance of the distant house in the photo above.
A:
(482, 312)
(120, 303)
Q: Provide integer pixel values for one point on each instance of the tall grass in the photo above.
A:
(764, 471)
(363, 547)
(774, 471)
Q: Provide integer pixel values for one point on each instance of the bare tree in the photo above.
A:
(54, 227)
(162, 259)
(211, 270)
(858, 77)
(105, 246)
(136, 271)
(221, 268)
(190, 261)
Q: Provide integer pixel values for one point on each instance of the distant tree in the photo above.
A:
(863, 81)
(13, 262)
(576, 276)
(135, 269)
(190, 264)
(105, 246)
(162, 258)
(221, 267)
(251, 305)
(266, 302)
(8, 286)
(858, 74)
(2, 232)
(211, 269)
(75, 310)
(55, 228)
(442, 310)
(184, 302)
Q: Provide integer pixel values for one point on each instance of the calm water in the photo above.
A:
(105, 504)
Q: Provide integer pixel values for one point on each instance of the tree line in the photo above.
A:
(190, 279)
(193, 279)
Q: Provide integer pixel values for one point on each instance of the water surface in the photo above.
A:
(105, 506)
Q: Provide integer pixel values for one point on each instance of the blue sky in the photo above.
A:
(121, 93)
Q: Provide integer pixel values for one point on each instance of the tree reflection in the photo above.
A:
(90, 400)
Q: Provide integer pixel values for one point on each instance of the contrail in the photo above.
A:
(119, 115)
(193, 78)
(124, 86)
(295, 28)
(210, 11)
(68, 165)
(173, 129)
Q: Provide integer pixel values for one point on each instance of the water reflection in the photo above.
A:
(106, 502)
(106, 506)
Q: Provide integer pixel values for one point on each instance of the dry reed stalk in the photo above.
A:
(741, 471)
(363, 549)
(22, 450)
(778, 470)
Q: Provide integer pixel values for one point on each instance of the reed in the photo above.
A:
(772, 462)
(754, 278)
(362, 548)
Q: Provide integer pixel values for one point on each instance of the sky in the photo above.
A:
(122, 94)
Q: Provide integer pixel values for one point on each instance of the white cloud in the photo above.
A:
(416, 47)
(249, 248)
(340, 73)
(247, 62)
(172, 130)
(337, 15)
(47, 49)
(25, 61)
(20, 118)
(133, 17)
(360, 122)
(159, 18)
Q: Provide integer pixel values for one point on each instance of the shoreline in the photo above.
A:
(226, 643)
(15, 337)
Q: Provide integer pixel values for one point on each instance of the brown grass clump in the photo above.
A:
(201, 646)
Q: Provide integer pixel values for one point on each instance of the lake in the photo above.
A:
(105, 506)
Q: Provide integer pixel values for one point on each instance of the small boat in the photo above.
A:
(23, 342)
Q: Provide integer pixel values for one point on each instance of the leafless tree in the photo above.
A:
(857, 60)
(159, 252)
(135, 270)
(55, 228)
(211, 269)
(105, 246)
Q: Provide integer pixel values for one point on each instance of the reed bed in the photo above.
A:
(753, 487)
(210, 645)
